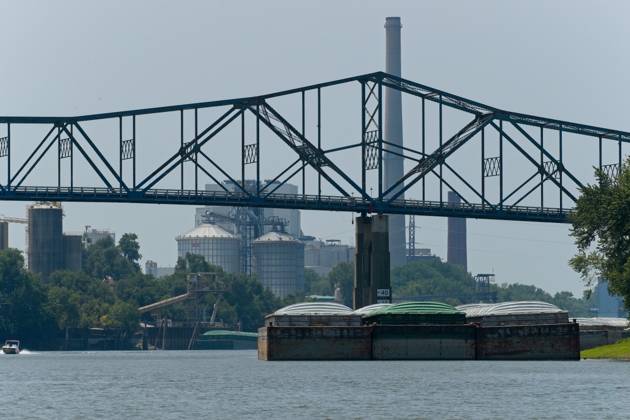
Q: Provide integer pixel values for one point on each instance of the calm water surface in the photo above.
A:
(234, 384)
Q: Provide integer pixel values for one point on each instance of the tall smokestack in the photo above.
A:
(456, 253)
(394, 164)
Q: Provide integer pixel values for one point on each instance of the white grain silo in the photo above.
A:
(279, 263)
(218, 246)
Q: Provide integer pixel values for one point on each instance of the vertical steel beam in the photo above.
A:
(380, 140)
(257, 150)
(303, 135)
(363, 145)
(196, 152)
(133, 132)
(600, 153)
(72, 160)
(501, 164)
(483, 178)
(181, 148)
(620, 156)
(120, 151)
(423, 149)
(542, 166)
(319, 138)
(441, 141)
(561, 168)
(243, 148)
(58, 156)
(9, 156)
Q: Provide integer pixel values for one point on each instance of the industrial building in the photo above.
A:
(218, 246)
(279, 263)
(49, 249)
(421, 254)
(321, 256)
(92, 236)
(151, 268)
(247, 223)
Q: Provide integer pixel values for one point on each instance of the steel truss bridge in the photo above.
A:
(503, 165)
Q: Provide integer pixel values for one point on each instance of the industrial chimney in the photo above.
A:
(457, 253)
(394, 164)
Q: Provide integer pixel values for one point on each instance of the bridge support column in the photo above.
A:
(371, 261)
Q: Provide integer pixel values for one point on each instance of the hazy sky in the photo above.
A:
(561, 59)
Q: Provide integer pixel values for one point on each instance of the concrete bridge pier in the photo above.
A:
(371, 262)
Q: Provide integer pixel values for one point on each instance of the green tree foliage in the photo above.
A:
(129, 247)
(601, 228)
(105, 259)
(22, 299)
(246, 301)
(437, 280)
(446, 282)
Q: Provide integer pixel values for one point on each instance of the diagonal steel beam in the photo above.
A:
(100, 155)
(473, 189)
(287, 169)
(89, 160)
(533, 161)
(294, 173)
(54, 139)
(428, 163)
(315, 157)
(542, 149)
(181, 155)
(224, 173)
(41, 143)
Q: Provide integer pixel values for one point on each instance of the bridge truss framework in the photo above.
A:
(361, 191)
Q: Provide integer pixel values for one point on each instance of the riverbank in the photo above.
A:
(618, 351)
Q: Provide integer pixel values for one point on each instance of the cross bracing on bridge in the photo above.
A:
(503, 165)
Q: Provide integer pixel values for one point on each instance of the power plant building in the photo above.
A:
(279, 263)
(218, 246)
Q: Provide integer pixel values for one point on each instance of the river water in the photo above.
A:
(234, 384)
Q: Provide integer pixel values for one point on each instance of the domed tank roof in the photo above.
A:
(314, 308)
(207, 230)
(526, 307)
(276, 237)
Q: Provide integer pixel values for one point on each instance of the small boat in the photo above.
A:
(11, 347)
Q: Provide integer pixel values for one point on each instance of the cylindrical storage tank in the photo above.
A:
(4, 235)
(279, 263)
(72, 252)
(45, 243)
(218, 246)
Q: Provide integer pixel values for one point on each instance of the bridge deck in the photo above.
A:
(290, 201)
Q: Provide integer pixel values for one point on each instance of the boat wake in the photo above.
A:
(24, 352)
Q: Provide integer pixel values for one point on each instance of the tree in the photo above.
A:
(129, 247)
(22, 299)
(104, 258)
(434, 280)
(601, 228)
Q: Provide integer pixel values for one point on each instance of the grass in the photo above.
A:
(620, 350)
